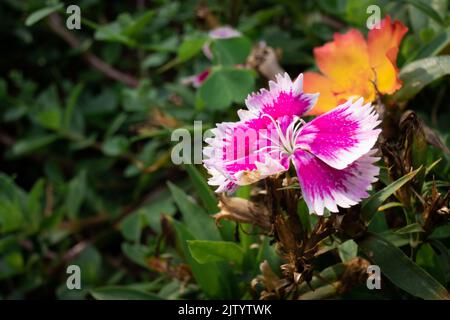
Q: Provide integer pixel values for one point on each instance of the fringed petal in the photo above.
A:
(326, 187)
(341, 135)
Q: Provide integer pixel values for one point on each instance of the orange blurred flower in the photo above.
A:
(351, 66)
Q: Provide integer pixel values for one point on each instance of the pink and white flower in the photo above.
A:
(332, 154)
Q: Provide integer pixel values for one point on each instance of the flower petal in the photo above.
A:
(345, 61)
(233, 157)
(326, 187)
(197, 80)
(224, 32)
(341, 135)
(284, 98)
(383, 46)
(314, 82)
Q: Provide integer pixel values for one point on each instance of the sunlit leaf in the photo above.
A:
(371, 205)
(418, 74)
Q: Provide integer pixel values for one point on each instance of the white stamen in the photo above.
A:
(286, 144)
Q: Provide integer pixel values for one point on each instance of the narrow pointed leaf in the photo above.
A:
(202, 188)
(370, 207)
(401, 270)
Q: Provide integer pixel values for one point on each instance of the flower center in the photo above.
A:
(284, 143)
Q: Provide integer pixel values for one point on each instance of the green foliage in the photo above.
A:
(190, 47)
(348, 250)
(211, 251)
(225, 86)
(204, 191)
(122, 293)
(41, 14)
(125, 29)
(233, 51)
(371, 205)
(418, 74)
(401, 270)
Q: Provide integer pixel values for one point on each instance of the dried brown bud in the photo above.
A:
(435, 210)
(243, 211)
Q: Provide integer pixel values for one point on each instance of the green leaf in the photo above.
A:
(28, 145)
(105, 102)
(11, 216)
(324, 285)
(70, 105)
(138, 24)
(427, 258)
(122, 293)
(378, 223)
(233, 51)
(50, 118)
(303, 213)
(41, 14)
(441, 232)
(189, 48)
(125, 29)
(398, 240)
(431, 166)
(348, 250)
(213, 278)
(400, 270)
(212, 251)
(34, 203)
(76, 194)
(153, 211)
(371, 205)
(131, 227)
(136, 253)
(443, 254)
(244, 192)
(115, 146)
(111, 32)
(439, 43)
(225, 86)
(418, 74)
(200, 224)
(154, 60)
(355, 11)
(260, 17)
(390, 205)
(12, 263)
(410, 228)
(426, 9)
(90, 263)
(116, 124)
(202, 188)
